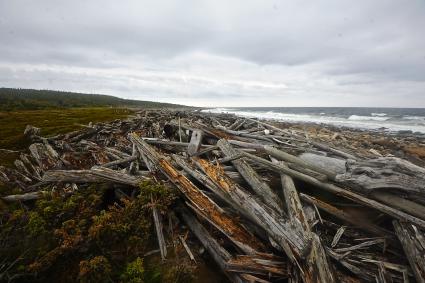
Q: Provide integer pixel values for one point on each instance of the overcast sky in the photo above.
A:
(220, 53)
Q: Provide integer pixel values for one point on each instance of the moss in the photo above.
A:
(134, 272)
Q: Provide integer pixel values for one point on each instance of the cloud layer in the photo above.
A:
(220, 53)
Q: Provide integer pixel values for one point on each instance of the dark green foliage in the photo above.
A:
(83, 237)
(134, 272)
(159, 195)
(31, 99)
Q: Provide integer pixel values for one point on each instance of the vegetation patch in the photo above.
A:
(51, 122)
(86, 237)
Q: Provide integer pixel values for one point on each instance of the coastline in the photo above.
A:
(371, 142)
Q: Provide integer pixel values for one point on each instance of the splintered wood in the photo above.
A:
(268, 202)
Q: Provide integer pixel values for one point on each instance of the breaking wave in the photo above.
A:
(376, 121)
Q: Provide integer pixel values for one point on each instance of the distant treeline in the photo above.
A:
(31, 99)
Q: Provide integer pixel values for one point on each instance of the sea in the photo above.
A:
(406, 120)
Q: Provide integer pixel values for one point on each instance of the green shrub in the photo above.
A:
(36, 224)
(134, 272)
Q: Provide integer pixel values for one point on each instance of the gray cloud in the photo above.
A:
(235, 53)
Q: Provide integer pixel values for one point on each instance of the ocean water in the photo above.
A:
(384, 119)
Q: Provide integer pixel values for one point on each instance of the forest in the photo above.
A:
(32, 99)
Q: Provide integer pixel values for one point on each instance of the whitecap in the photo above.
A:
(366, 118)
(421, 118)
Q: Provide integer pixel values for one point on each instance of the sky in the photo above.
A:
(220, 53)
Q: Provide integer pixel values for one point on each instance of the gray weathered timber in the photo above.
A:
(159, 232)
(396, 201)
(95, 175)
(374, 229)
(281, 155)
(316, 266)
(229, 226)
(195, 142)
(332, 150)
(339, 191)
(385, 173)
(119, 162)
(253, 179)
(331, 164)
(289, 237)
(413, 242)
(24, 197)
(203, 179)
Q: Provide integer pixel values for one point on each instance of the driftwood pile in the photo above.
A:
(269, 204)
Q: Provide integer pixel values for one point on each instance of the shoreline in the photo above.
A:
(362, 119)
(373, 143)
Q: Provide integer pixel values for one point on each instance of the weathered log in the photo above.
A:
(95, 175)
(283, 131)
(134, 165)
(202, 179)
(25, 197)
(332, 150)
(246, 144)
(249, 174)
(186, 247)
(289, 237)
(119, 162)
(20, 166)
(346, 217)
(217, 252)
(195, 142)
(406, 205)
(35, 170)
(339, 191)
(170, 143)
(281, 155)
(159, 233)
(385, 173)
(349, 265)
(31, 131)
(316, 267)
(44, 157)
(232, 229)
(331, 164)
(360, 246)
(251, 264)
(413, 242)
(246, 135)
(232, 126)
